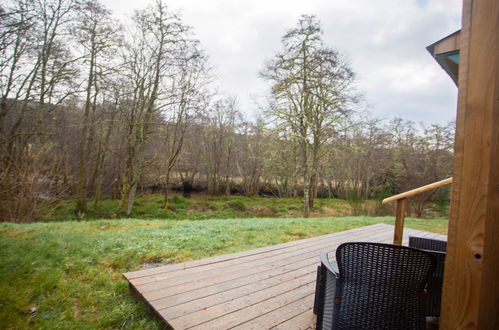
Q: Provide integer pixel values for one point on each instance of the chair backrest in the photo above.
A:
(433, 246)
(437, 248)
(427, 243)
(381, 286)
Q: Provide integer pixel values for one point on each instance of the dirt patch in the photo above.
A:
(336, 212)
(149, 265)
(201, 207)
(262, 211)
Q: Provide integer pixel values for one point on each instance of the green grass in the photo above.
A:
(203, 207)
(71, 271)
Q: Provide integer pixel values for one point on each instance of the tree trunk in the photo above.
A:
(131, 198)
(227, 186)
(127, 179)
(81, 198)
(165, 192)
(306, 181)
(125, 191)
(101, 159)
(306, 195)
(136, 171)
(313, 190)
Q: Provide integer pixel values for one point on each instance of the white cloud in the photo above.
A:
(384, 41)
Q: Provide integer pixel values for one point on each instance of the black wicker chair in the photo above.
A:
(373, 286)
(434, 287)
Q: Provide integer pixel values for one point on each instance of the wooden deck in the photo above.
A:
(270, 287)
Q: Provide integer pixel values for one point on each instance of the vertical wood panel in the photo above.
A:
(471, 293)
(399, 221)
(488, 317)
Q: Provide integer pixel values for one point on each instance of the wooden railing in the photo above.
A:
(402, 203)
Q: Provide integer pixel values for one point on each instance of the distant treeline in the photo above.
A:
(91, 109)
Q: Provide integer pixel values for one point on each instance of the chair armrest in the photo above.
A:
(331, 266)
(435, 252)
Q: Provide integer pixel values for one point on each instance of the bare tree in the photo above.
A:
(189, 96)
(251, 159)
(151, 52)
(16, 42)
(37, 72)
(112, 101)
(98, 35)
(282, 165)
(220, 140)
(310, 93)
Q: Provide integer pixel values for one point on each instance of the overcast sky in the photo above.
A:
(384, 41)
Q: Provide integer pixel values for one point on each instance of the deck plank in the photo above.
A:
(279, 315)
(238, 301)
(269, 287)
(228, 292)
(237, 255)
(253, 259)
(261, 265)
(231, 320)
(227, 315)
(305, 320)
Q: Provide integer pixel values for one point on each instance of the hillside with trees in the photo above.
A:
(94, 109)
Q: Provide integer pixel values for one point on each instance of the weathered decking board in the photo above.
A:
(270, 287)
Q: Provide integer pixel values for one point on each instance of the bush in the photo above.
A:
(263, 211)
(213, 207)
(178, 203)
(237, 205)
(355, 201)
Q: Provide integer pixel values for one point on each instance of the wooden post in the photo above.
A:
(399, 221)
(471, 291)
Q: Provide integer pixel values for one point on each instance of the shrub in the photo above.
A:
(213, 207)
(355, 201)
(178, 203)
(237, 205)
(179, 199)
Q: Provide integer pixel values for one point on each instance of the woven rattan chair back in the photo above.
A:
(437, 248)
(428, 243)
(378, 286)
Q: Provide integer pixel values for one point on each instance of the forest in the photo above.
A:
(93, 108)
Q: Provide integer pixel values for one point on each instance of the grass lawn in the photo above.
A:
(202, 207)
(68, 274)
